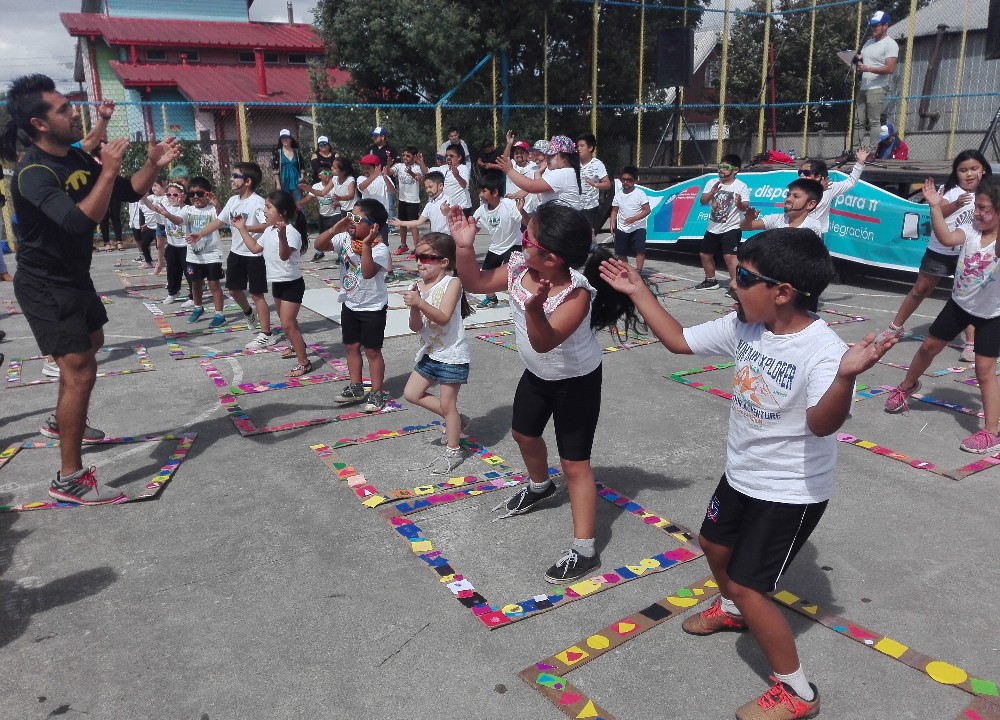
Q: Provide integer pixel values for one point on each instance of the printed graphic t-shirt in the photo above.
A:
(723, 214)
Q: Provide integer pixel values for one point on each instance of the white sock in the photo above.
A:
(539, 487)
(584, 546)
(729, 606)
(797, 681)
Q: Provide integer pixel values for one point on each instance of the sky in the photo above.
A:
(33, 39)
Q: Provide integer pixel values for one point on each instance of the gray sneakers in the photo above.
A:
(50, 429)
(81, 488)
(377, 401)
(353, 393)
(452, 458)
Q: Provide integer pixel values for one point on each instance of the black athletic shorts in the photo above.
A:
(938, 264)
(493, 261)
(630, 244)
(204, 271)
(574, 404)
(408, 211)
(289, 290)
(244, 271)
(764, 536)
(728, 242)
(61, 318)
(952, 320)
(363, 326)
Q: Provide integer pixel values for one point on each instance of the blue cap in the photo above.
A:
(880, 18)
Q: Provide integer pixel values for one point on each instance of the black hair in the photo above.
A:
(566, 232)
(444, 245)
(812, 188)
(588, 138)
(295, 143)
(344, 164)
(732, 159)
(990, 187)
(487, 143)
(251, 171)
(202, 183)
(952, 180)
(818, 167)
(435, 176)
(284, 203)
(492, 180)
(412, 149)
(374, 210)
(452, 129)
(630, 170)
(793, 255)
(457, 147)
(24, 101)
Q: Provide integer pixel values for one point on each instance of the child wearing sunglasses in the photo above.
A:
(437, 306)
(727, 199)
(555, 309)
(793, 386)
(175, 251)
(364, 262)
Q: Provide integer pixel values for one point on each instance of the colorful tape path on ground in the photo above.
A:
(15, 368)
(153, 486)
(170, 334)
(498, 615)
(861, 392)
(141, 281)
(548, 676)
(956, 474)
(178, 353)
(505, 339)
(156, 308)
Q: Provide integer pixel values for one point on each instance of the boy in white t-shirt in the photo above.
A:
(793, 387)
(364, 262)
(593, 179)
(374, 182)
(435, 211)
(727, 198)
(518, 153)
(629, 210)
(455, 173)
(502, 218)
(408, 178)
(802, 198)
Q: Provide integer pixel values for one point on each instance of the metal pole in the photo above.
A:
(545, 74)
(241, 115)
(438, 125)
(593, 70)
(904, 102)
(958, 81)
(854, 81)
(678, 104)
(642, 60)
(496, 118)
(722, 84)
(763, 78)
(315, 124)
(809, 80)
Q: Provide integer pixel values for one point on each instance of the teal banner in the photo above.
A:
(867, 224)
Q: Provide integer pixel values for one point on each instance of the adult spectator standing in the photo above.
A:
(60, 193)
(387, 155)
(322, 158)
(287, 169)
(455, 138)
(876, 63)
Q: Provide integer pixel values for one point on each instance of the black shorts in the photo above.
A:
(327, 222)
(728, 242)
(197, 272)
(493, 261)
(246, 270)
(630, 243)
(468, 212)
(952, 320)
(938, 264)
(61, 318)
(363, 326)
(764, 536)
(408, 211)
(289, 290)
(594, 217)
(574, 404)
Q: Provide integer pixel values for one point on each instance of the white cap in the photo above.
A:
(884, 133)
(285, 132)
(881, 17)
(323, 139)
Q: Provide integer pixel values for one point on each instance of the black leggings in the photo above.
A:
(146, 238)
(574, 404)
(114, 218)
(176, 260)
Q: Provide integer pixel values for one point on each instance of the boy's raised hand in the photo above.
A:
(931, 195)
(861, 155)
(863, 355)
(621, 276)
(510, 137)
(505, 163)
(463, 229)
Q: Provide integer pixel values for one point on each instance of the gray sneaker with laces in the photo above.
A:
(452, 458)
(81, 488)
(353, 393)
(377, 401)
(50, 429)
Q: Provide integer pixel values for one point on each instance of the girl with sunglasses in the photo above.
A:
(555, 310)
(437, 307)
(175, 252)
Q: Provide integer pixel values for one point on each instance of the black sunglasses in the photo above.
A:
(748, 278)
(197, 193)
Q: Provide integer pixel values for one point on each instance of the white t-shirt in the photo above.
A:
(378, 190)
(444, 343)
(780, 220)
(151, 217)
(209, 248)
(822, 210)
(328, 206)
(357, 292)
(976, 289)
(629, 205)
(348, 187)
(444, 149)
(875, 53)
(279, 270)
(407, 187)
(504, 224)
(432, 211)
(531, 199)
(564, 187)
(590, 197)
(251, 209)
(961, 216)
(457, 195)
(175, 233)
(723, 215)
(135, 216)
(578, 355)
(771, 454)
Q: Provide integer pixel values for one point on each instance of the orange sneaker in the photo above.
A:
(713, 620)
(401, 250)
(780, 703)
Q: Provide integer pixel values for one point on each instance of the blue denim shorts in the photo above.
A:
(440, 372)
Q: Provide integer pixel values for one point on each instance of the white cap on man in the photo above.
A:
(881, 17)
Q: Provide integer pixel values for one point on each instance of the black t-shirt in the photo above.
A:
(384, 153)
(318, 162)
(56, 237)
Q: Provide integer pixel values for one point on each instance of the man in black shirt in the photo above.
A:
(60, 193)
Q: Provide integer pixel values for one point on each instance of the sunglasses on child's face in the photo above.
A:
(357, 219)
(532, 243)
(726, 168)
(806, 172)
(175, 194)
(197, 193)
(422, 257)
(748, 278)
(237, 176)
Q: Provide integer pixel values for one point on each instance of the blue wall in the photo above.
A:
(180, 118)
(219, 10)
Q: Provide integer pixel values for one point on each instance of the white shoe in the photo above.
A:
(50, 369)
(261, 341)
(169, 299)
(189, 303)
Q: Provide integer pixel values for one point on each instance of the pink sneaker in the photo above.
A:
(982, 442)
(897, 398)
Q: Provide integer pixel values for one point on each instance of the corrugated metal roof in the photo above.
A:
(219, 84)
(952, 13)
(299, 37)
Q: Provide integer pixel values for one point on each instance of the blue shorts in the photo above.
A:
(445, 373)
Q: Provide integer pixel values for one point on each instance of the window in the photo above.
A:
(156, 56)
(713, 69)
(247, 57)
(296, 59)
(270, 58)
(193, 56)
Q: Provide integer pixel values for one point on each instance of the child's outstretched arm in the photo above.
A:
(826, 416)
(751, 220)
(239, 225)
(626, 279)
(942, 232)
(463, 231)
